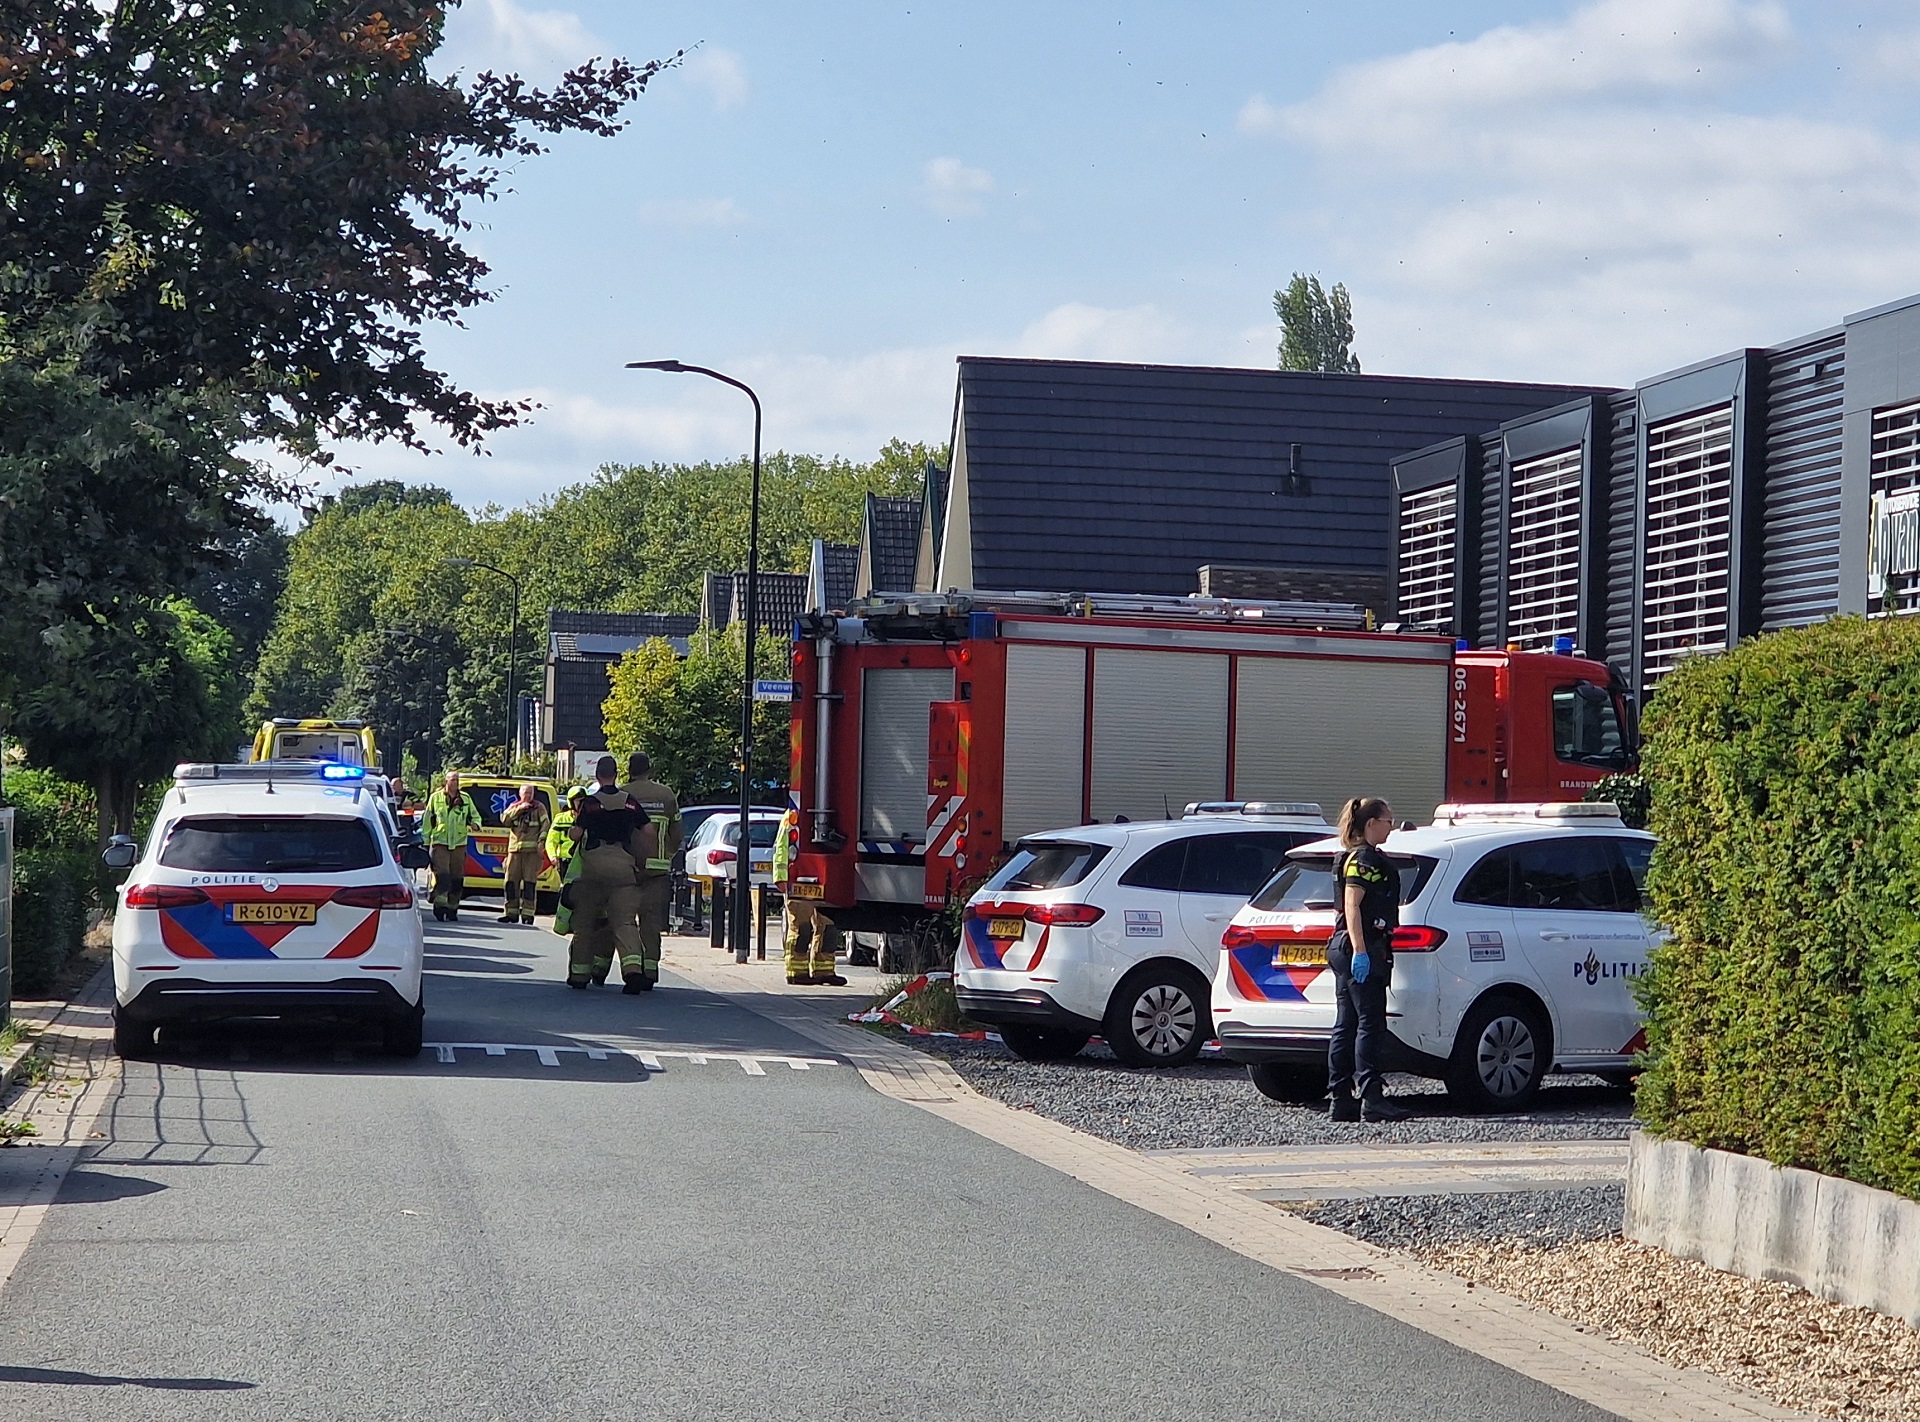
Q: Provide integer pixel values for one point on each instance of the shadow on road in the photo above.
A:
(59, 1377)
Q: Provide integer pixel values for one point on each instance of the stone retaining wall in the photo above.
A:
(1846, 1242)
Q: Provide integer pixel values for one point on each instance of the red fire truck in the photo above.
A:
(932, 731)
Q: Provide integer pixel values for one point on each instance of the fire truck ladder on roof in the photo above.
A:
(1334, 616)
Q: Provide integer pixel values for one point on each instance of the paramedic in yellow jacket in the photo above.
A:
(450, 817)
(810, 933)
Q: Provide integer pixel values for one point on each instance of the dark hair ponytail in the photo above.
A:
(1355, 815)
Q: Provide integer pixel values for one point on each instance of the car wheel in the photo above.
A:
(132, 1038)
(546, 903)
(1158, 1017)
(1500, 1056)
(1289, 1082)
(403, 1036)
(1043, 1044)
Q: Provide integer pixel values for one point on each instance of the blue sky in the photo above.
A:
(834, 201)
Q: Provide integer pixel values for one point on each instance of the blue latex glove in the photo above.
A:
(1362, 965)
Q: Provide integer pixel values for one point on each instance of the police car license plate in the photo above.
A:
(1006, 927)
(273, 913)
(808, 891)
(1299, 954)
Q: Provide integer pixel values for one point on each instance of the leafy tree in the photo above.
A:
(267, 198)
(240, 587)
(1316, 326)
(397, 681)
(685, 714)
(473, 726)
(147, 688)
(384, 493)
(102, 500)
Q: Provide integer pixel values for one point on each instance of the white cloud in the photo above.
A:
(1577, 200)
(505, 35)
(952, 189)
(692, 212)
(720, 73)
(1077, 332)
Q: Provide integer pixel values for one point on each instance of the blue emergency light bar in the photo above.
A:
(271, 770)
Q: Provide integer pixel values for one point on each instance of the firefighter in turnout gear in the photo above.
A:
(445, 825)
(656, 876)
(810, 933)
(615, 839)
(526, 822)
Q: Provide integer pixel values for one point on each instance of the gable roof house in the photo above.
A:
(889, 543)
(580, 648)
(1087, 476)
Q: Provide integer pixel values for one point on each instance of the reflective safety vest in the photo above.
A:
(559, 845)
(786, 845)
(448, 826)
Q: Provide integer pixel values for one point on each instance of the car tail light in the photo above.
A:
(722, 856)
(1065, 915)
(163, 896)
(1417, 938)
(376, 896)
(1238, 935)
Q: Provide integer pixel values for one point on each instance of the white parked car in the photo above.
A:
(1115, 929)
(714, 850)
(266, 890)
(1520, 938)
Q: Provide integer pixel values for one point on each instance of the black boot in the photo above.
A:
(636, 983)
(1378, 1110)
(574, 980)
(508, 918)
(1343, 1108)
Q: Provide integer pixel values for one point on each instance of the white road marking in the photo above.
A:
(650, 1059)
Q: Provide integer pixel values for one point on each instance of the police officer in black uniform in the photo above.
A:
(1361, 956)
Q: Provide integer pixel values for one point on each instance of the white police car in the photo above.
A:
(267, 890)
(1113, 929)
(1520, 938)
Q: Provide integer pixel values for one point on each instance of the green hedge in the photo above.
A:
(1784, 1016)
(55, 873)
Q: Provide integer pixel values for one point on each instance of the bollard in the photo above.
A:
(760, 917)
(718, 917)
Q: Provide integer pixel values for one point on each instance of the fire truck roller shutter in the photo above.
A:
(893, 749)
(1159, 732)
(1309, 729)
(1046, 728)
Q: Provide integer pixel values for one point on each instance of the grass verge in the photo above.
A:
(934, 1007)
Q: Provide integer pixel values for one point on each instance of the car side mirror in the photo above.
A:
(414, 856)
(121, 852)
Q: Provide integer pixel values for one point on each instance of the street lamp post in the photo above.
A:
(741, 890)
(513, 640)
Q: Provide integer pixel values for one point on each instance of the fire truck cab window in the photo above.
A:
(1586, 730)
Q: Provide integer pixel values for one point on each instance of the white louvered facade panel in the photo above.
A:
(893, 749)
(1427, 559)
(1159, 732)
(1895, 471)
(1046, 739)
(1543, 551)
(1687, 536)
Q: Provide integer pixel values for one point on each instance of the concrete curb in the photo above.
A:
(1614, 1376)
(1844, 1241)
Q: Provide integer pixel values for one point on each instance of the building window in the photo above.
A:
(1688, 530)
(1893, 553)
(1543, 551)
(1427, 559)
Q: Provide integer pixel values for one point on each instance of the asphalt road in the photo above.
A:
(292, 1228)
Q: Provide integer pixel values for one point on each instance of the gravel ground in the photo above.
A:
(1770, 1338)
(1211, 1104)
(1426, 1222)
